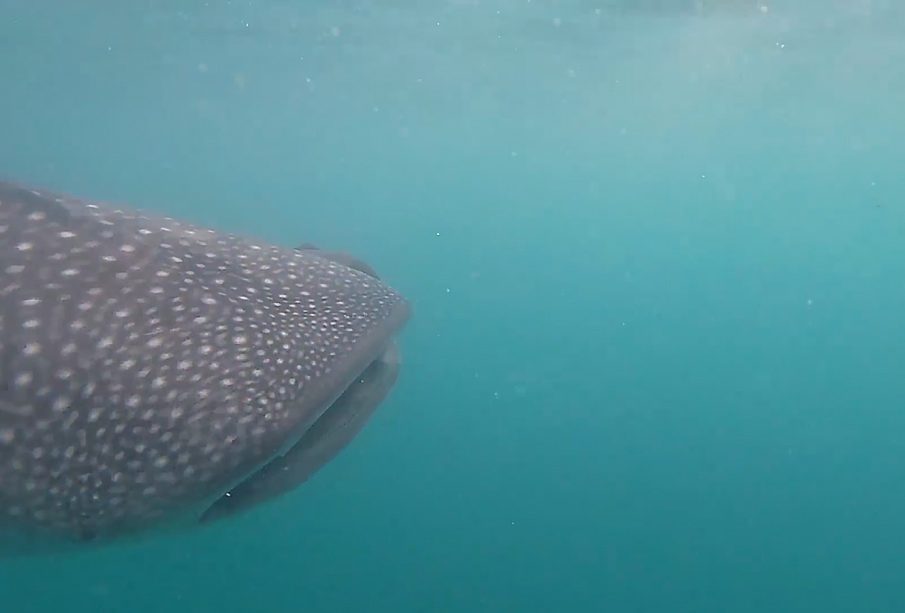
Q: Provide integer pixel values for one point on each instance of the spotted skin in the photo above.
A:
(148, 365)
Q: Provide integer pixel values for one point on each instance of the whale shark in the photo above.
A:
(156, 374)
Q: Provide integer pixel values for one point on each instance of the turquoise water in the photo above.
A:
(656, 252)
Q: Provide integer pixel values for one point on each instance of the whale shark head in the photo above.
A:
(149, 366)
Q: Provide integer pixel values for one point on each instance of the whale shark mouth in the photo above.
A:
(328, 436)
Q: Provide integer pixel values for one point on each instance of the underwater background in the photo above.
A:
(656, 255)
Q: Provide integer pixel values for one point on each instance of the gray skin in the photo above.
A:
(148, 367)
(327, 437)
